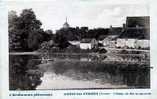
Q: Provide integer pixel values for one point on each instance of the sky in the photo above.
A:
(90, 13)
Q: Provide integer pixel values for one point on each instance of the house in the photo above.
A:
(144, 44)
(88, 43)
(135, 33)
(132, 43)
(120, 43)
(126, 43)
(109, 41)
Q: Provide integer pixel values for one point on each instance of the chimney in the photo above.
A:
(111, 27)
(124, 25)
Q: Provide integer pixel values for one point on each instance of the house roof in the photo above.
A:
(86, 40)
(111, 37)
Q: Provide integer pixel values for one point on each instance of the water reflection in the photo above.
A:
(133, 76)
(26, 73)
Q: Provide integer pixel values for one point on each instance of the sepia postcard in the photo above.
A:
(78, 49)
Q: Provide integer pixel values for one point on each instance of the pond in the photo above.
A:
(33, 72)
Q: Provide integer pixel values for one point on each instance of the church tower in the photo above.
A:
(66, 25)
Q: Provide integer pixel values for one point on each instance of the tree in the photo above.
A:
(35, 39)
(25, 33)
(31, 29)
(14, 34)
(70, 33)
(61, 41)
(48, 35)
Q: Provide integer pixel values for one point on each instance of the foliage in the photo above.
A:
(20, 77)
(25, 33)
(61, 40)
(83, 32)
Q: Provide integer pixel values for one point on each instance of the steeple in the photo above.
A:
(66, 25)
(66, 20)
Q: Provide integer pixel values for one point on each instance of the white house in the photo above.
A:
(109, 41)
(88, 44)
(126, 43)
(132, 43)
(121, 43)
(142, 44)
(85, 46)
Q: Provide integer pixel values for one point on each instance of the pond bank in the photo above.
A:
(24, 53)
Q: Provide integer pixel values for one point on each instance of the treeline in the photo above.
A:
(25, 32)
(82, 32)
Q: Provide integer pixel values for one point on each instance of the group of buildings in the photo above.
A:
(133, 34)
(118, 43)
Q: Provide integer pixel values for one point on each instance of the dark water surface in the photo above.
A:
(30, 72)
